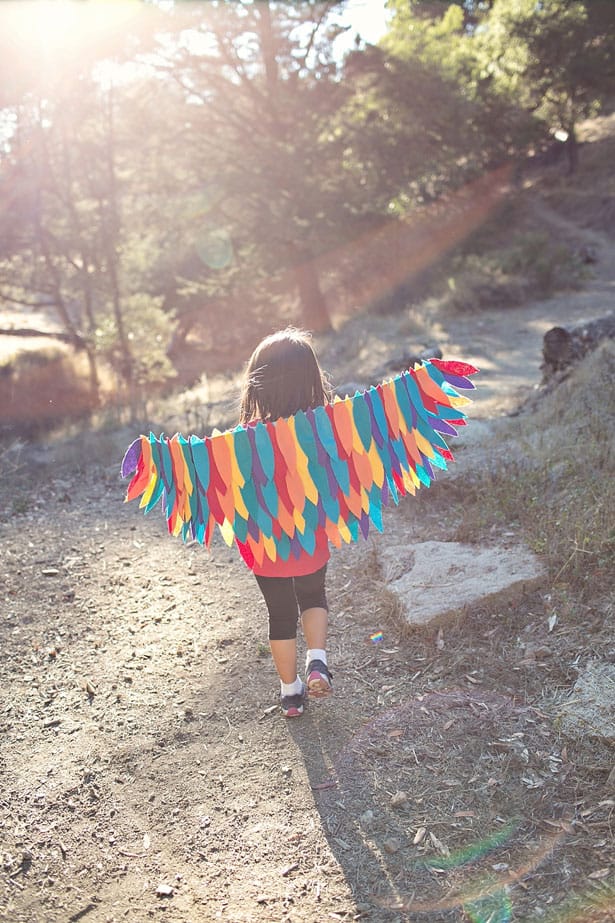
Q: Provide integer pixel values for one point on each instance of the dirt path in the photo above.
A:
(146, 773)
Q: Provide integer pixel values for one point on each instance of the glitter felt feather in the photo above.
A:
(270, 486)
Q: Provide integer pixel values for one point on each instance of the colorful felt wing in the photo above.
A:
(271, 486)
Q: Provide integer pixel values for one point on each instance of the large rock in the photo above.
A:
(590, 710)
(436, 580)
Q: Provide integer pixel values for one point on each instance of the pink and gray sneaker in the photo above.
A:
(292, 705)
(319, 680)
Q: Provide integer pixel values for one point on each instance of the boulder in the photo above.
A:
(437, 580)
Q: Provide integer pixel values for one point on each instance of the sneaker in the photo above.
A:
(318, 679)
(292, 705)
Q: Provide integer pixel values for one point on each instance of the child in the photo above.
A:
(282, 377)
(337, 466)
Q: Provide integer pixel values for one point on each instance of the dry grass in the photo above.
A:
(42, 388)
(551, 477)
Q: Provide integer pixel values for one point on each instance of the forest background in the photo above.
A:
(178, 179)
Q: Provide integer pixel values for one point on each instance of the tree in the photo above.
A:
(74, 237)
(263, 88)
(480, 122)
(67, 158)
(557, 57)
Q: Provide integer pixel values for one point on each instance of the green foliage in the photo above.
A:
(532, 265)
(408, 131)
(546, 264)
(480, 121)
(260, 93)
(148, 330)
(557, 58)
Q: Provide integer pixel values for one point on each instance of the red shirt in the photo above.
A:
(294, 567)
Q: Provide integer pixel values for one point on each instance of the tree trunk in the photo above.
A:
(314, 311)
(572, 151)
(86, 259)
(111, 233)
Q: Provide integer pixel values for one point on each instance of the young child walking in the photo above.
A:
(282, 377)
(300, 470)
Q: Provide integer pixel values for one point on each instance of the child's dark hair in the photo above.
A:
(282, 377)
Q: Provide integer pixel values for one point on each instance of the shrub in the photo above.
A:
(532, 266)
(40, 389)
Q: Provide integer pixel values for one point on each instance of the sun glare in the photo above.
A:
(54, 32)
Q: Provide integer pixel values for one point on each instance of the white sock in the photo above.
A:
(315, 654)
(291, 688)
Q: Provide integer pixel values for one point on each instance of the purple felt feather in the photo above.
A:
(131, 458)
(441, 426)
(322, 516)
(427, 466)
(457, 381)
(258, 475)
(253, 528)
(331, 479)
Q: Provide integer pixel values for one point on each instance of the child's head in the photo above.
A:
(282, 377)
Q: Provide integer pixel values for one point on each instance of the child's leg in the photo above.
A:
(312, 599)
(310, 592)
(284, 653)
(279, 596)
(315, 622)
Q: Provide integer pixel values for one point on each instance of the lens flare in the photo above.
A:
(495, 814)
(494, 908)
(474, 851)
(215, 249)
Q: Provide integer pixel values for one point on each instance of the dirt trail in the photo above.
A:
(507, 344)
(146, 773)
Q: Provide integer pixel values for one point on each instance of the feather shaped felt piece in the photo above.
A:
(272, 485)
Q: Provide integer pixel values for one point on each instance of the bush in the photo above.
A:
(40, 389)
(532, 266)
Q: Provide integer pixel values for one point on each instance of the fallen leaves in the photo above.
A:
(600, 874)
(441, 847)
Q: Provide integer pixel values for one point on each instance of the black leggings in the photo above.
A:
(286, 597)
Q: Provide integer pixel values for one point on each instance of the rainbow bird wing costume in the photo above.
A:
(271, 485)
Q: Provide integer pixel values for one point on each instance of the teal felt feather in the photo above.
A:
(243, 452)
(363, 423)
(200, 458)
(415, 396)
(265, 450)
